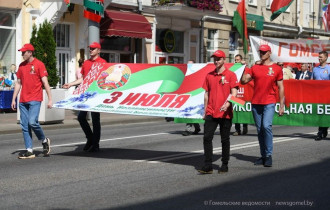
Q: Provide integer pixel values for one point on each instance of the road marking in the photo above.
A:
(104, 140)
(195, 153)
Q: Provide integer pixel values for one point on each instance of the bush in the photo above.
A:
(44, 49)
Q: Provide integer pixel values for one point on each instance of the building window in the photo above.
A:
(169, 46)
(178, 41)
(233, 36)
(7, 41)
(212, 43)
(62, 35)
(252, 2)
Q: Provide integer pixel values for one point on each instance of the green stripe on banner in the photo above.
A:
(94, 6)
(171, 76)
(297, 114)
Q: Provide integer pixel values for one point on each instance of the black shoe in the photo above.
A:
(196, 131)
(87, 146)
(260, 161)
(27, 155)
(245, 130)
(318, 138)
(46, 147)
(268, 161)
(186, 133)
(325, 134)
(223, 168)
(206, 170)
(94, 148)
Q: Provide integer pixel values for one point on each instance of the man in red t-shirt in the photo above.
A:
(268, 78)
(31, 76)
(218, 85)
(93, 137)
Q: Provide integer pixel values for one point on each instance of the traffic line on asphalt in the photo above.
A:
(195, 153)
(105, 140)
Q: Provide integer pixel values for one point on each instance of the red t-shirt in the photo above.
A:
(218, 87)
(88, 64)
(30, 75)
(265, 83)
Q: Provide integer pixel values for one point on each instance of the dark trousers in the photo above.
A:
(93, 137)
(323, 132)
(238, 127)
(210, 126)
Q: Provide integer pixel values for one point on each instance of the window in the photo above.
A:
(252, 2)
(233, 36)
(7, 41)
(212, 43)
(62, 35)
(178, 40)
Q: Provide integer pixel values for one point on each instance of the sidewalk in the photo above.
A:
(8, 121)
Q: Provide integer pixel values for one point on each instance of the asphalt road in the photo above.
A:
(152, 166)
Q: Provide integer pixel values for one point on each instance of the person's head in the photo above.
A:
(219, 58)
(94, 49)
(13, 68)
(238, 58)
(323, 57)
(27, 52)
(304, 67)
(265, 52)
(190, 61)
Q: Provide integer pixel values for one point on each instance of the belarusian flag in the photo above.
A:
(67, 2)
(237, 68)
(235, 100)
(239, 21)
(278, 7)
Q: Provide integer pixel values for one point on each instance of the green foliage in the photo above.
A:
(44, 49)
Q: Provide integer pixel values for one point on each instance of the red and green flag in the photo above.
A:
(94, 10)
(278, 7)
(235, 100)
(240, 22)
(67, 2)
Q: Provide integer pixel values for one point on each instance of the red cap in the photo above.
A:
(219, 54)
(95, 45)
(27, 47)
(264, 48)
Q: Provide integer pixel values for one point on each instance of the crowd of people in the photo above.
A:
(218, 111)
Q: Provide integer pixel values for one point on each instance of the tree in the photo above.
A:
(45, 48)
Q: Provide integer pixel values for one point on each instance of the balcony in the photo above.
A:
(210, 5)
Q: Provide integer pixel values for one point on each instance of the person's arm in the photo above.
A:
(233, 92)
(246, 78)
(74, 83)
(17, 88)
(281, 94)
(206, 100)
(49, 94)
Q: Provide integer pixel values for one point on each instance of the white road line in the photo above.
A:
(104, 140)
(215, 150)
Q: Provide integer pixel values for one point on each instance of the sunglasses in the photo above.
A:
(91, 49)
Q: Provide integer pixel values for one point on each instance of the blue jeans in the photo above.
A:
(29, 121)
(263, 118)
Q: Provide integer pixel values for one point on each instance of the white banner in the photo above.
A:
(290, 50)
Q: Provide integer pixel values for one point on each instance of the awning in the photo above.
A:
(127, 24)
